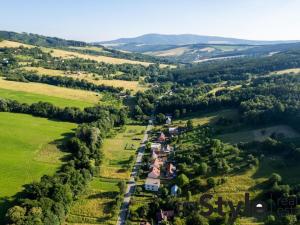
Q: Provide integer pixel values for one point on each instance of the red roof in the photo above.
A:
(162, 137)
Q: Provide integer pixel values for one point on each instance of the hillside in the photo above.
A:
(78, 47)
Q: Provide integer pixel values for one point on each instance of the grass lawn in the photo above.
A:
(49, 92)
(29, 98)
(118, 150)
(28, 150)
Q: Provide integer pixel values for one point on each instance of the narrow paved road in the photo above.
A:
(131, 183)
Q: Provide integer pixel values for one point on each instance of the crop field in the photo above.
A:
(131, 85)
(28, 150)
(50, 93)
(13, 44)
(69, 54)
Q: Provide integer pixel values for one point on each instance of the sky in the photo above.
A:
(99, 20)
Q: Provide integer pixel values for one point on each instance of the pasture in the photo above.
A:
(28, 150)
(80, 98)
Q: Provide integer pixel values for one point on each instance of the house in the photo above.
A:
(173, 130)
(154, 173)
(157, 163)
(171, 169)
(161, 137)
(164, 216)
(155, 147)
(169, 120)
(174, 190)
(167, 149)
(154, 155)
(152, 184)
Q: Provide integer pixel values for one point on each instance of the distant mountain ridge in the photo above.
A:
(185, 39)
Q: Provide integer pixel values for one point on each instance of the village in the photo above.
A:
(161, 166)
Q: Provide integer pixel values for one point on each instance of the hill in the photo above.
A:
(185, 39)
(187, 48)
(36, 39)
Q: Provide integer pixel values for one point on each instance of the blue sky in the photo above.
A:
(96, 20)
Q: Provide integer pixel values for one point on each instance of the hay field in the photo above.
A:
(131, 85)
(50, 90)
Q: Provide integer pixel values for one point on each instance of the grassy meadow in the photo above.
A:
(58, 95)
(28, 150)
(117, 151)
(94, 205)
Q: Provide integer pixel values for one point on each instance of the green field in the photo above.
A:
(29, 98)
(28, 150)
(117, 151)
(94, 205)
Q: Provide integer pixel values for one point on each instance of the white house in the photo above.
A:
(152, 184)
(155, 147)
(173, 130)
(169, 120)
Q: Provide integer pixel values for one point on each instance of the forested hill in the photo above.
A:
(235, 69)
(40, 40)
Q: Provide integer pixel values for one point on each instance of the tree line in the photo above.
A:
(62, 81)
